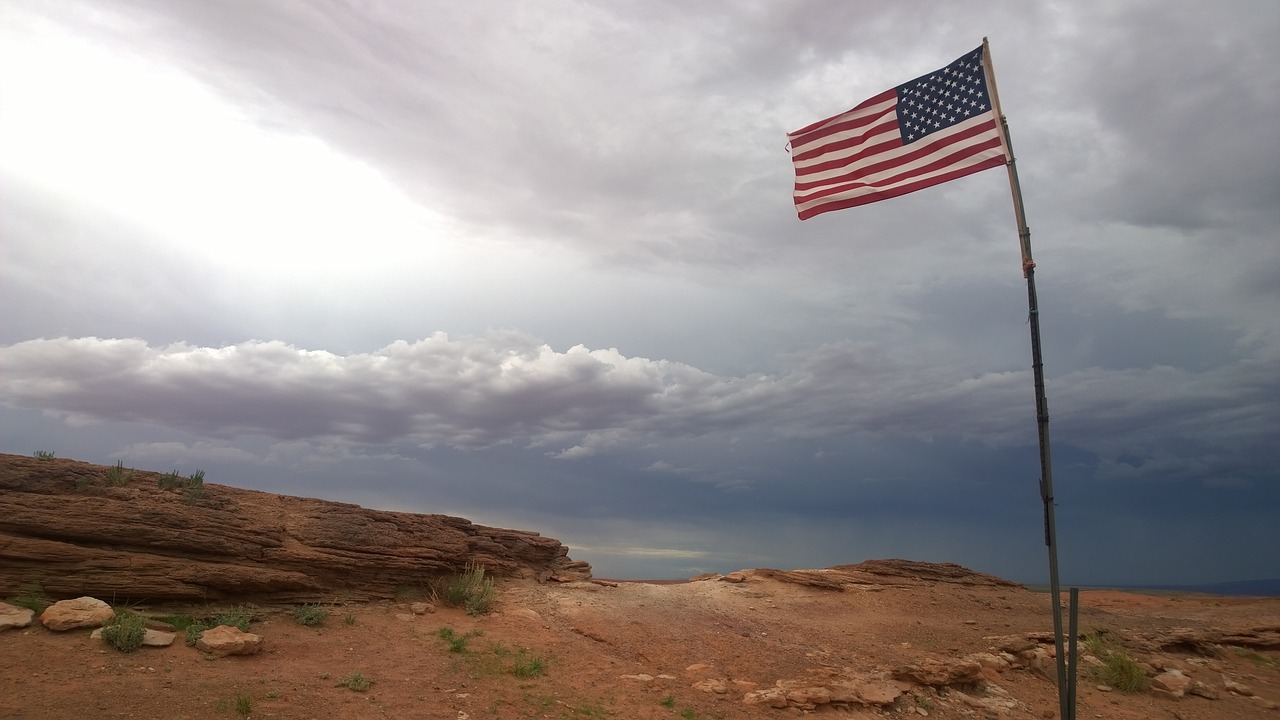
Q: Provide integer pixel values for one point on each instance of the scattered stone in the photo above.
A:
(226, 640)
(12, 616)
(641, 677)
(711, 685)
(150, 638)
(78, 613)
(1172, 682)
(422, 608)
(699, 669)
(773, 697)
(1204, 690)
(1238, 688)
(734, 577)
(406, 617)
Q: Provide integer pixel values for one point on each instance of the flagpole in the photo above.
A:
(1066, 704)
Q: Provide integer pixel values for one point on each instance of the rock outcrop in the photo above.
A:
(64, 525)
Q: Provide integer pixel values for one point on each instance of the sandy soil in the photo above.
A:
(590, 638)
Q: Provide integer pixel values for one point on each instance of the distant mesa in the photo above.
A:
(81, 529)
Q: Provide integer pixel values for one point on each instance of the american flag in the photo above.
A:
(938, 127)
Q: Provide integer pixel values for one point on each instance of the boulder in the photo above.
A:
(12, 616)
(78, 613)
(63, 521)
(226, 640)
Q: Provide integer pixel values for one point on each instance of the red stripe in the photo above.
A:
(900, 190)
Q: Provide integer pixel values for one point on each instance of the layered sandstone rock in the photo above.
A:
(65, 526)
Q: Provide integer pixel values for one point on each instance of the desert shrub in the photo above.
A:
(244, 704)
(124, 630)
(119, 474)
(1117, 670)
(194, 631)
(356, 682)
(238, 618)
(170, 481)
(470, 590)
(310, 614)
(43, 454)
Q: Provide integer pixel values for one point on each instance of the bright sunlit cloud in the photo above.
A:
(156, 147)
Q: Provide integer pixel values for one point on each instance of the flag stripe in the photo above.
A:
(936, 128)
(893, 154)
(961, 158)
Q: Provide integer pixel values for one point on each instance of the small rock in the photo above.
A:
(699, 669)
(1238, 688)
(1171, 681)
(641, 677)
(711, 685)
(406, 617)
(227, 640)
(78, 613)
(12, 616)
(1203, 690)
(422, 608)
(734, 577)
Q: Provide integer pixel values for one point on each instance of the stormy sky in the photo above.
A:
(537, 265)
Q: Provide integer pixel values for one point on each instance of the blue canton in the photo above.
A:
(942, 98)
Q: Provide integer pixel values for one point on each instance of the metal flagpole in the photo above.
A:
(1066, 704)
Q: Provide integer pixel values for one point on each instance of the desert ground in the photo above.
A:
(695, 649)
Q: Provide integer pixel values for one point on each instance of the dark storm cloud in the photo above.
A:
(507, 387)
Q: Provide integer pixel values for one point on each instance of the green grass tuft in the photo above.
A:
(244, 704)
(43, 454)
(527, 666)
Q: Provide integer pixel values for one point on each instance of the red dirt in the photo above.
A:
(589, 636)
